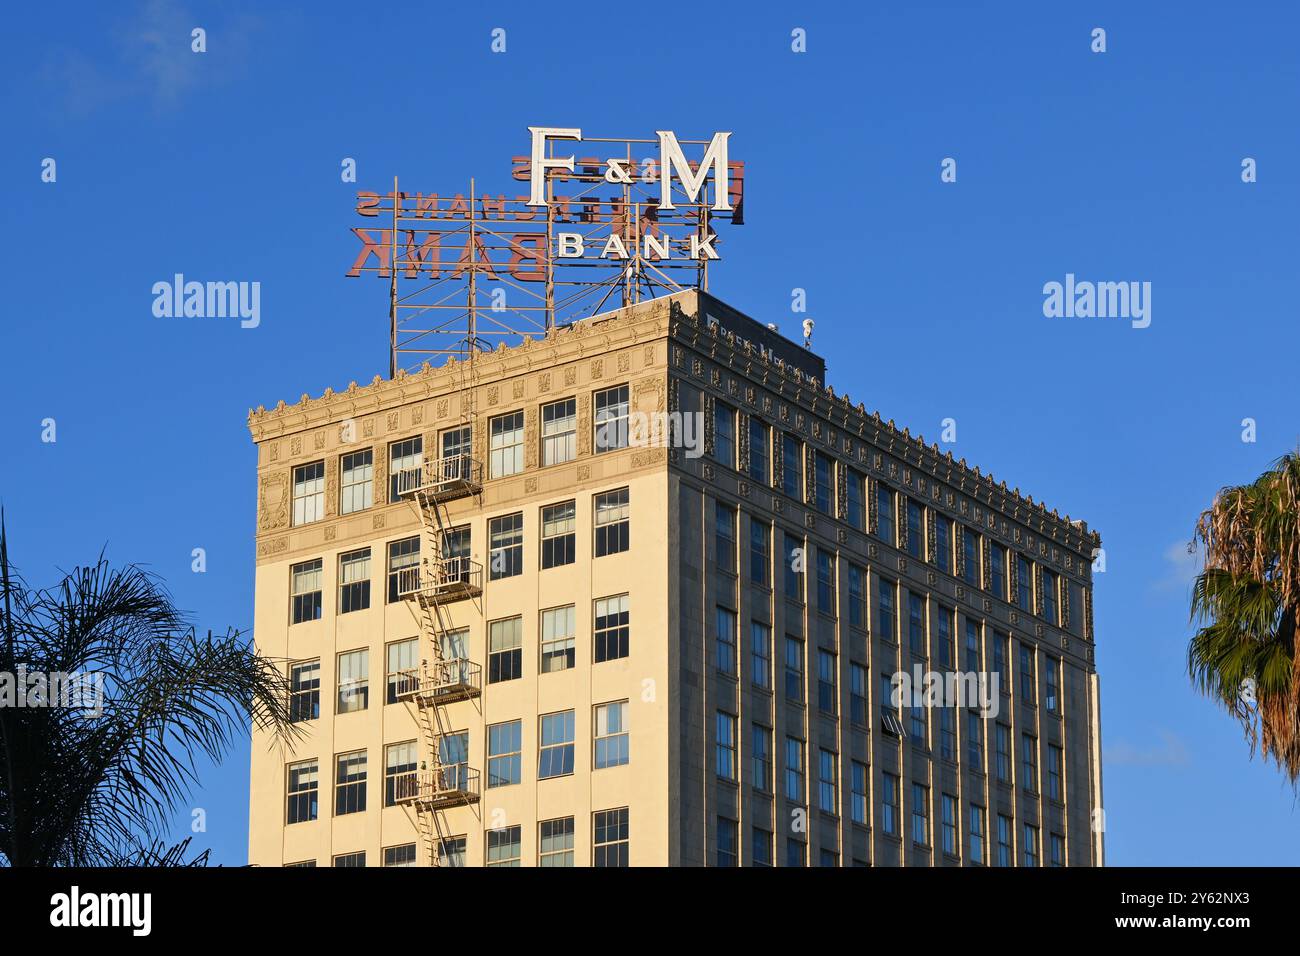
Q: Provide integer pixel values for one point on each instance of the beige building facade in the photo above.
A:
(640, 593)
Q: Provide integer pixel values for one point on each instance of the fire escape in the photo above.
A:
(443, 577)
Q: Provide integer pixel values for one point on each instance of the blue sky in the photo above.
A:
(1123, 165)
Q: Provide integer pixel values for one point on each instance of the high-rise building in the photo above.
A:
(644, 592)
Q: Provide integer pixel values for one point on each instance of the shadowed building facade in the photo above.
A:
(519, 633)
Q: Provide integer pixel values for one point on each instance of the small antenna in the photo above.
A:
(807, 333)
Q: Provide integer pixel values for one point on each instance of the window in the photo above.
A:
(403, 660)
(972, 646)
(1000, 644)
(760, 739)
(303, 864)
(794, 772)
(1031, 845)
(974, 741)
(998, 570)
(506, 445)
(858, 694)
(405, 466)
(970, 557)
(949, 820)
(825, 582)
(725, 641)
(1026, 676)
(555, 842)
(457, 446)
(306, 578)
(611, 522)
(350, 783)
(403, 567)
(856, 493)
(828, 782)
(728, 836)
(915, 529)
(920, 814)
(759, 452)
(976, 834)
(889, 708)
(308, 493)
(403, 855)
(558, 651)
(724, 525)
(611, 741)
(1055, 767)
(885, 516)
(609, 837)
(611, 419)
(357, 489)
(1058, 850)
(505, 749)
(760, 554)
(916, 624)
(760, 654)
(824, 490)
(399, 772)
(302, 793)
(1050, 585)
(505, 650)
(506, 539)
(1024, 584)
(943, 543)
(828, 858)
(794, 565)
(762, 846)
(559, 432)
(943, 650)
(724, 434)
(354, 681)
(724, 751)
(1004, 753)
(858, 793)
(1052, 696)
(555, 753)
(611, 629)
(451, 851)
(1029, 762)
(304, 691)
(1004, 840)
(793, 668)
(948, 734)
(827, 691)
(891, 811)
(857, 595)
(919, 724)
(453, 754)
(796, 852)
(791, 466)
(357, 859)
(886, 618)
(504, 847)
(354, 581)
(559, 533)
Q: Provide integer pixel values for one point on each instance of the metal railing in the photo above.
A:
(441, 579)
(453, 785)
(441, 478)
(458, 678)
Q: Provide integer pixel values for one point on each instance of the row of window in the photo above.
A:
(611, 519)
(505, 453)
(557, 651)
(504, 846)
(901, 522)
(555, 756)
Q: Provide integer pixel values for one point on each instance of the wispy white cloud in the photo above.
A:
(1179, 569)
(1168, 751)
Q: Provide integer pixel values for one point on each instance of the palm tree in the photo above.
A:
(97, 787)
(1247, 603)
